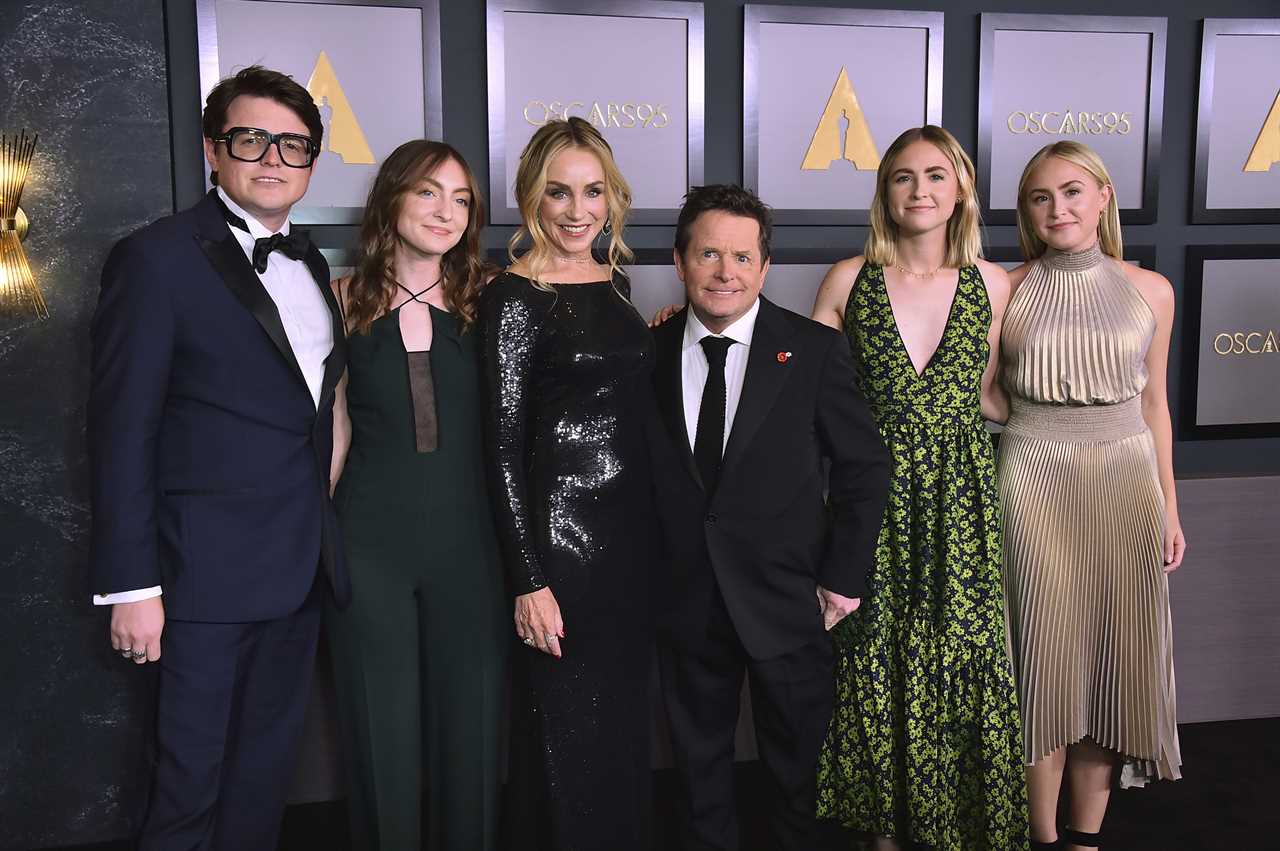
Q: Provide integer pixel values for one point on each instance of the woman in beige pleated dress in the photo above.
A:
(1090, 510)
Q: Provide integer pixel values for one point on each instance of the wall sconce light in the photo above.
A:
(19, 295)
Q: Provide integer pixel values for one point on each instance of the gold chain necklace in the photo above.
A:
(910, 274)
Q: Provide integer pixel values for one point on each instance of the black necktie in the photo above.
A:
(708, 440)
(294, 246)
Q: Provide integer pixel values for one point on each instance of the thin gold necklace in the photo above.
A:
(904, 270)
(564, 259)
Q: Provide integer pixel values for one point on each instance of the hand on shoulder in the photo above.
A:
(339, 287)
(1017, 275)
(997, 280)
(846, 270)
(1154, 288)
(833, 293)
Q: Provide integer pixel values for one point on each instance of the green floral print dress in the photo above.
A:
(924, 744)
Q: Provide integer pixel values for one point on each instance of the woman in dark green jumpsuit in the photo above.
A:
(419, 656)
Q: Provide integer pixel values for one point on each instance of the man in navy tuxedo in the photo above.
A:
(217, 345)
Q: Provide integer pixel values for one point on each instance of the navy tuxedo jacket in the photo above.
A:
(209, 459)
(776, 527)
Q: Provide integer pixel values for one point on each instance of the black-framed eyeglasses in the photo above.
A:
(249, 144)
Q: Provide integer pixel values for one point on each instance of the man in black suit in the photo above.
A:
(753, 398)
(217, 345)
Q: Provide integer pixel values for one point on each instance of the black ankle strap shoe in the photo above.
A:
(1084, 840)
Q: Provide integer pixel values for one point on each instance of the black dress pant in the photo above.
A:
(791, 698)
(230, 703)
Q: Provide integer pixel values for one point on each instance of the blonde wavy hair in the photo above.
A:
(964, 240)
(549, 141)
(1078, 154)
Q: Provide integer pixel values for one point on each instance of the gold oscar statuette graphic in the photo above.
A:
(342, 133)
(1266, 149)
(830, 144)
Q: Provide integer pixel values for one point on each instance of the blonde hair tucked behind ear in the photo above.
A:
(548, 142)
(964, 241)
(1078, 154)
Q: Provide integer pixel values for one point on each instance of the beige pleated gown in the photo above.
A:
(1084, 518)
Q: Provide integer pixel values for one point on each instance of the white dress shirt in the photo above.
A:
(694, 368)
(304, 313)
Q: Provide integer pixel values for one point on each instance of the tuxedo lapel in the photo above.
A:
(336, 362)
(765, 376)
(228, 259)
(670, 389)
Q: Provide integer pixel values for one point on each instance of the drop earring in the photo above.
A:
(608, 227)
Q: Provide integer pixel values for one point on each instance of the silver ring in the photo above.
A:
(127, 654)
(550, 638)
(139, 654)
(529, 641)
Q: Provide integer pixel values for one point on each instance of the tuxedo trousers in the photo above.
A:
(792, 698)
(230, 703)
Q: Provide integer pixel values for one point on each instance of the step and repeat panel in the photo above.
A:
(819, 110)
(1237, 168)
(1115, 106)
(1231, 333)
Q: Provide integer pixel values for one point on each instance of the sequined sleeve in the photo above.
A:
(509, 324)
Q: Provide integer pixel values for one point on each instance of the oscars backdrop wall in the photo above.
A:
(1113, 102)
(1238, 122)
(819, 109)
(1232, 332)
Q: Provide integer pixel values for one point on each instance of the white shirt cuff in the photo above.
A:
(126, 596)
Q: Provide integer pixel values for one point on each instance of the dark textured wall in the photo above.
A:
(89, 77)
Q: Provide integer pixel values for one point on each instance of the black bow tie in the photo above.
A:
(294, 246)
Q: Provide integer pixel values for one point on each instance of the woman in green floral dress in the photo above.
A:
(924, 746)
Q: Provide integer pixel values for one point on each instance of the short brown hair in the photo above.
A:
(727, 198)
(257, 81)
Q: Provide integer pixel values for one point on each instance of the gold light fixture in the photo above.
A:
(19, 295)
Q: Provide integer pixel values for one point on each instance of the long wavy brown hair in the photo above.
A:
(373, 286)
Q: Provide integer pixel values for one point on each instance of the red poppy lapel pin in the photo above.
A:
(783, 357)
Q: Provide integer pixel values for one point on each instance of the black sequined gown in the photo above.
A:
(567, 400)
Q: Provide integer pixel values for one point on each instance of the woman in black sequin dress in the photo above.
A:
(567, 363)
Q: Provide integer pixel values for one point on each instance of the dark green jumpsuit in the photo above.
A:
(419, 655)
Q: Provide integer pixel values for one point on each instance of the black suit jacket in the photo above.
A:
(767, 536)
(209, 459)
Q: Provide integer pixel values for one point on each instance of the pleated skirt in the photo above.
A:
(1089, 625)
